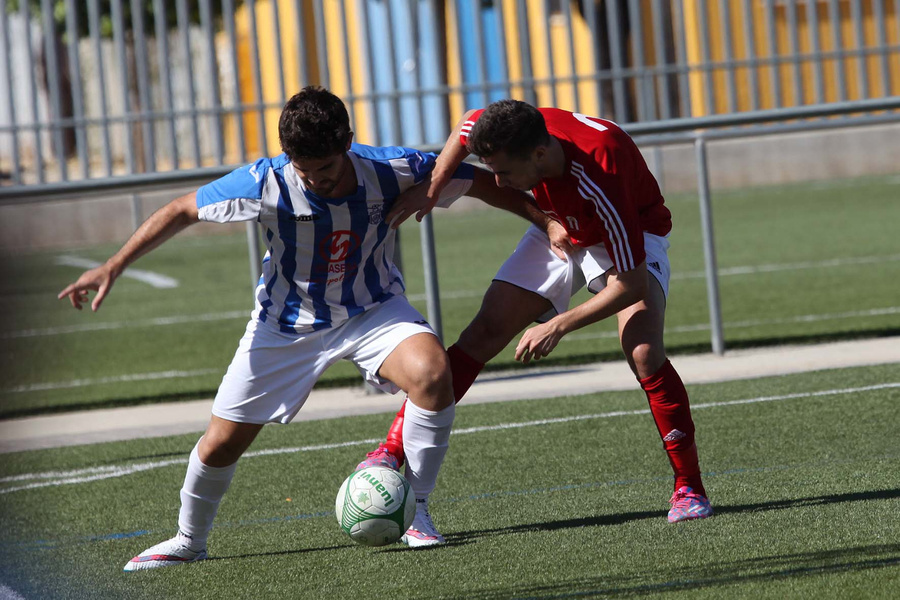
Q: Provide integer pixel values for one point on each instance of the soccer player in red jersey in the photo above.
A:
(605, 226)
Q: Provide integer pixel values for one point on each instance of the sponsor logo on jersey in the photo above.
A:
(305, 218)
(338, 246)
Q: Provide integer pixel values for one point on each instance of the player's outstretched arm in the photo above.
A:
(161, 225)
(621, 291)
(450, 157)
(519, 203)
(421, 199)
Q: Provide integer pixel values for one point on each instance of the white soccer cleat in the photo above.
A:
(165, 554)
(422, 533)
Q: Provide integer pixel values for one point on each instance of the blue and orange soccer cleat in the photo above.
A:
(380, 457)
(688, 505)
(165, 554)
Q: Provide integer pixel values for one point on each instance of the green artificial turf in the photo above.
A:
(564, 501)
(799, 264)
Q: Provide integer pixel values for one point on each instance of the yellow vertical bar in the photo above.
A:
(540, 64)
(361, 109)
(584, 62)
(456, 100)
(893, 39)
(513, 56)
(692, 35)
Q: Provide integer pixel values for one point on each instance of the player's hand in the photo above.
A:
(538, 342)
(560, 242)
(99, 279)
(419, 199)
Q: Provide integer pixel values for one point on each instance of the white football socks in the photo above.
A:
(201, 494)
(425, 437)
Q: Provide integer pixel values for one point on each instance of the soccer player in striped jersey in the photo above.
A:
(605, 226)
(329, 291)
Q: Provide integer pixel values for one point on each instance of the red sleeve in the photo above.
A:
(467, 127)
(605, 184)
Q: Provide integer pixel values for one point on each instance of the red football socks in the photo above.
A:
(394, 443)
(464, 369)
(671, 411)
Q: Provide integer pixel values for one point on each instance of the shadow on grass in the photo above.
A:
(763, 570)
(622, 518)
(278, 553)
(696, 576)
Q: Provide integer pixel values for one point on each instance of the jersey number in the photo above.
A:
(587, 121)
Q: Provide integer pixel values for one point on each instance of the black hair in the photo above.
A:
(314, 124)
(510, 126)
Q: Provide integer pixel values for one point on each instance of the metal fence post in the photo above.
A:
(137, 211)
(709, 249)
(429, 261)
(255, 260)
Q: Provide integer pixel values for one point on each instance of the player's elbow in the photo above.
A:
(184, 209)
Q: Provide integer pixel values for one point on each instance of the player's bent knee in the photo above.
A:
(430, 385)
(646, 359)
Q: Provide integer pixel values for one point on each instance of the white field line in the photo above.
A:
(62, 385)
(855, 314)
(452, 295)
(174, 320)
(58, 478)
(154, 279)
(8, 594)
(245, 314)
(730, 271)
(797, 266)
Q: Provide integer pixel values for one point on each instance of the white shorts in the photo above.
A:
(534, 267)
(272, 373)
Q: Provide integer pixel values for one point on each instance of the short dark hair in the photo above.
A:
(314, 124)
(510, 126)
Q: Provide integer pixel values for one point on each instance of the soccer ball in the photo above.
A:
(375, 506)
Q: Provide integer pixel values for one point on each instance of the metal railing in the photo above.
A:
(124, 88)
(697, 131)
(132, 96)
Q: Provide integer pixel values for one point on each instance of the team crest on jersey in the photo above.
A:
(376, 213)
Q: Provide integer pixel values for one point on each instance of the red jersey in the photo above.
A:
(606, 194)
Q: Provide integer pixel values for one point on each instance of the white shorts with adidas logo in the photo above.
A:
(534, 267)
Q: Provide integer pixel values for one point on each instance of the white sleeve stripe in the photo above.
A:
(617, 233)
(591, 185)
(616, 251)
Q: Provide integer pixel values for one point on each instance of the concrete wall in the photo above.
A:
(787, 158)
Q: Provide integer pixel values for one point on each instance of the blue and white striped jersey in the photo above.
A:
(328, 258)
